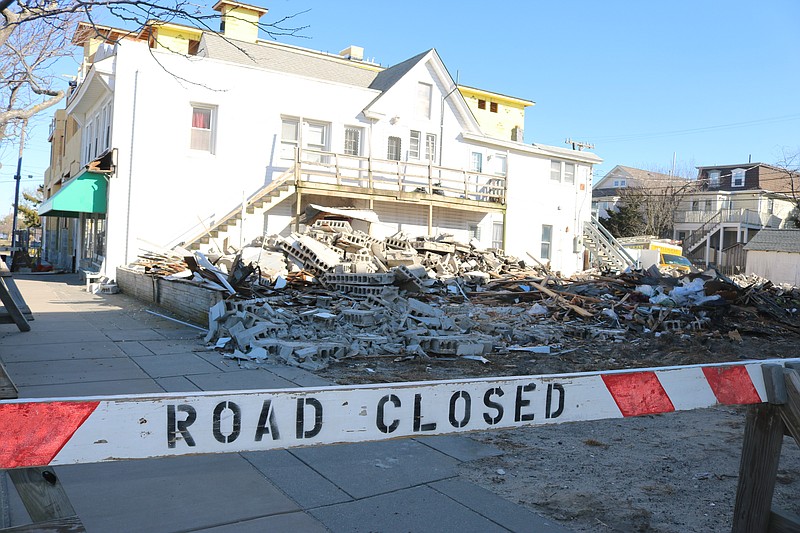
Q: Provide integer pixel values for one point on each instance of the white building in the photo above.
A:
(206, 140)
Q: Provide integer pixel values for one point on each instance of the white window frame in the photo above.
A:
(569, 173)
(713, 178)
(546, 251)
(476, 162)
(501, 164)
(497, 235)
(424, 99)
(211, 130)
(414, 141)
(324, 143)
(352, 135)
(289, 145)
(555, 170)
(430, 146)
(737, 177)
(473, 231)
(398, 148)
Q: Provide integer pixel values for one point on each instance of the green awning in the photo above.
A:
(86, 193)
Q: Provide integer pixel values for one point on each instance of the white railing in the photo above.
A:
(743, 216)
(375, 175)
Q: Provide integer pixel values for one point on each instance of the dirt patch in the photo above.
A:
(668, 473)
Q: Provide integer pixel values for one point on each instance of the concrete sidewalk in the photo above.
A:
(85, 345)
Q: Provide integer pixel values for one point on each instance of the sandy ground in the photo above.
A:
(673, 473)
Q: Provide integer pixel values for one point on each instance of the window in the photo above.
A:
(352, 141)
(87, 141)
(497, 235)
(481, 104)
(393, 152)
(569, 172)
(107, 134)
(713, 178)
(620, 183)
(290, 138)
(493, 107)
(424, 99)
(737, 177)
(708, 205)
(695, 205)
(555, 170)
(430, 147)
(770, 206)
(500, 164)
(202, 138)
(413, 145)
(316, 137)
(474, 231)
(476, 162)
(547, 241)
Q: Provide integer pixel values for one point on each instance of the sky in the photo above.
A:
(646, 82)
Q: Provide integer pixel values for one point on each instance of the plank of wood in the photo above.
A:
(70, 524)
(774, 383)
(16, 296)
(8, 391)
(790, 411)
(577, 309)
(42, 494)
(783, 522)
(12, 309)
(761, 450)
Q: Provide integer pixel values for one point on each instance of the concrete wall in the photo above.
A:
(778, 267)
(185, 299)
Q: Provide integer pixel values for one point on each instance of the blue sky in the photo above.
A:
(714, 82)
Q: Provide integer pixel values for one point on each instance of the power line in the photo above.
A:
(691, 131)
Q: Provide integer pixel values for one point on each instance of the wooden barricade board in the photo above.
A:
(38, 434)
(84, 430)
(15, 310)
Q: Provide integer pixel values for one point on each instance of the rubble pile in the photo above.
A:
(333, 293)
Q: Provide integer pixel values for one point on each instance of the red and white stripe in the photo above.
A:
(84, 430)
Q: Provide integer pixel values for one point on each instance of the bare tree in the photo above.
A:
(789, 164)
(656, 195)
(35, 33)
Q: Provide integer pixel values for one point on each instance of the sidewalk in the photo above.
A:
(86, 345)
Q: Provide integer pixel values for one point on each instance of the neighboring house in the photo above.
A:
(182, 136)
(608, 192)
(729, 206)
(775, 254)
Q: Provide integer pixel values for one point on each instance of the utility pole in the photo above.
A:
(18, 177)
(578, 145)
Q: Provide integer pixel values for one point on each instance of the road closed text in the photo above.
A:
(354, 415)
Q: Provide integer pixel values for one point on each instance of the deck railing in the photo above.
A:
(375, 175)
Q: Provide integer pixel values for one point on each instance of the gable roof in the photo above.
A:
(775, 240)
(386, 79)
(389, 78)
(637, 176)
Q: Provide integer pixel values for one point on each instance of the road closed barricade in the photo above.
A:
(94, 429)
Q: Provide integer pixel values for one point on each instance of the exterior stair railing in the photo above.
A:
(697, 236)
(255, 200)
(607, 250)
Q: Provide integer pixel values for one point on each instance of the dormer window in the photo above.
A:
(713, 178)
(737, 177)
